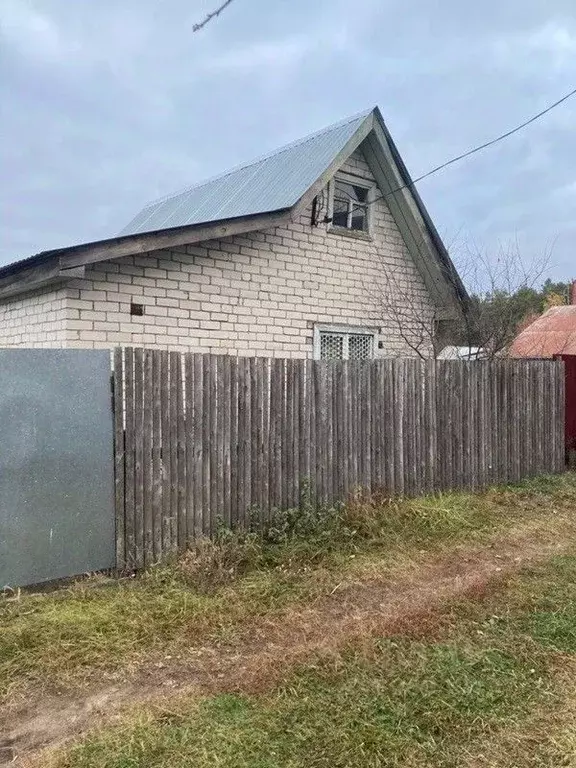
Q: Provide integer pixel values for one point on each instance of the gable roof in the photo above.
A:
(270, 183)
(553, 333)
(265, 193)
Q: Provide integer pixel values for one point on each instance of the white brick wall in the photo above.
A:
(36, 319)
(255, 294)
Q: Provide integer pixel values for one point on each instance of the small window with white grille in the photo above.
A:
(343, 344)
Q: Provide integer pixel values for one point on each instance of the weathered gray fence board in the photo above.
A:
(560, 416)
(119, 459)
(388, 428)
(283, 502)
(138, 459)
(398, 413)
(226, 514)
(317, 375)
(147, 500)
(305, 422)
(129, 457)
(191, 522)
(212, 416)
(202, 438)
(233, 400)
(219, 438)
(241, 441)
(264, 388)
(255, 430)
(171, 451)
(169, 535)
(156, 457)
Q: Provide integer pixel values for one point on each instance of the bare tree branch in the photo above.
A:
(503, 290)
(401, 308)
(210, 16)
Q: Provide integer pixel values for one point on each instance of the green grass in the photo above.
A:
(549, 596)
(67, 637)
(402, 701)
(387, 703)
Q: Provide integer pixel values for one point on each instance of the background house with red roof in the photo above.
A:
(553, 335)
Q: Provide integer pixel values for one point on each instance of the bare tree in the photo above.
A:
(401, 309)
(212, 15)
(502, 292)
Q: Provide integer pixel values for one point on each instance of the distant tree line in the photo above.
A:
(496, 316)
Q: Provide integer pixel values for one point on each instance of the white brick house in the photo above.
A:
(290, 256)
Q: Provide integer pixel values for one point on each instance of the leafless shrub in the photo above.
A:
(503, 294)
(502, 291)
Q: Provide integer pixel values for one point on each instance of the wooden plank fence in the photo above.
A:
(202, 438)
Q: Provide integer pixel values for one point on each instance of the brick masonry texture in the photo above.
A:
(36, 319)
(255, 294)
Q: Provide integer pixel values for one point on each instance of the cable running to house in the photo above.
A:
(479, 148)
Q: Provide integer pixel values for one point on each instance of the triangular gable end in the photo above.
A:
(413, 221)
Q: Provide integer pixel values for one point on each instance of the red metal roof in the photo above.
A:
(554, 333)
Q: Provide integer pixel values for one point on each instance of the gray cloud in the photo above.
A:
(107, 105)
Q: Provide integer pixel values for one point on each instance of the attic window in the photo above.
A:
(350, 205)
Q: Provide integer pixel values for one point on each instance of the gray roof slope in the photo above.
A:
(271, 183)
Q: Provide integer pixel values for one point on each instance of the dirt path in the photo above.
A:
(408, 601)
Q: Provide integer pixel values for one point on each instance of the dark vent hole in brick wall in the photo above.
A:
(137, 309)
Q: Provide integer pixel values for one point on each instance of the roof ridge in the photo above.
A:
(260, 159)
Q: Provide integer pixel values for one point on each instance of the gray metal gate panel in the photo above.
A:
(56, 464)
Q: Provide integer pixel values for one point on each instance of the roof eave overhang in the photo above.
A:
(63, 264)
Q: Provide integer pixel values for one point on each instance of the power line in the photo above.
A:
(461, 157)
(210, 16)
(479, 148)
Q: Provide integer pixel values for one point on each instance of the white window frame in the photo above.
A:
(358, 181)
(345, 331)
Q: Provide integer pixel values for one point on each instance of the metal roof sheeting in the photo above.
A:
(554, 333)
(271, 183)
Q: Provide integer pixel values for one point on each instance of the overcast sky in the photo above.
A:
(106, 105)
